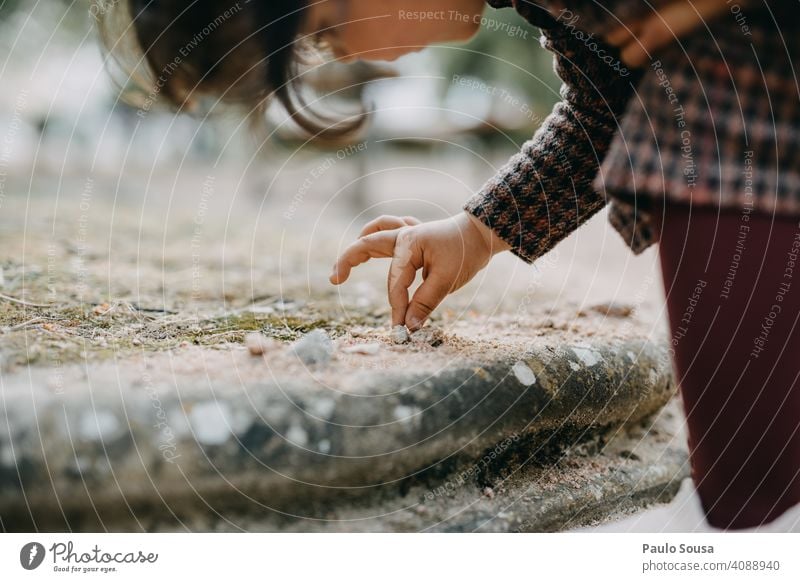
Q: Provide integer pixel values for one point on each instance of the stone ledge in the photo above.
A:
(117, 444)
(608, 475)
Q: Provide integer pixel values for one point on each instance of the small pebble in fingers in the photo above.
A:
(399, 334)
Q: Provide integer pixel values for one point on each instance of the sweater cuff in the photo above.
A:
(496, 207)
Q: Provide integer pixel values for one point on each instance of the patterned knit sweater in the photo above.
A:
(545, 191)
(715, 121)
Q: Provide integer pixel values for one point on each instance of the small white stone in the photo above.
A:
(297, 435)
(524, 374)
(99, 426)
(587, 355)
(324, 446)
(315, 347)
(631, 356)
(209, 422)
(399, 334)
(322, 407)
(363, 349)
(574, 366)
(405, 413)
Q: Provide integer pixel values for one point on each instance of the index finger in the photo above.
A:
(388, 223)
(374, 246)
(427, 298)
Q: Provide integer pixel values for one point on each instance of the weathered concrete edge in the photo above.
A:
(461, 411)
(525, 495)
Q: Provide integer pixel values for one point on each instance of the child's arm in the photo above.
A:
(545, 191)
(539, 197)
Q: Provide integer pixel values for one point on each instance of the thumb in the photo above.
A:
(427, 298)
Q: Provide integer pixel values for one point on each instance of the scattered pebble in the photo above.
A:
(363, 349)
(524, 374)
(405, 413)
(100, 425)
(488, 492)
(613, 309)
(297, 435)
(432, 336)
(210, 422)
(257, 344)
(315, 347)
(587, 355)
(399, 334)
(322, 407)
(101, 309)
(136, 341)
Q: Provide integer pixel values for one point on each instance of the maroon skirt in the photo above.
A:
(732, 280)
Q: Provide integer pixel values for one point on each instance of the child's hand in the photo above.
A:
(450, 253)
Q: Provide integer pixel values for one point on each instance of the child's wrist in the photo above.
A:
(494, 244)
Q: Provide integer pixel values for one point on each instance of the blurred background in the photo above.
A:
(174, 209)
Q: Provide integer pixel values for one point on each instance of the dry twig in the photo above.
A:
(21, 302)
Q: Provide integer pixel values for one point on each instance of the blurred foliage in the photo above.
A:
(8, 6)
(71, 16)
(507, 53)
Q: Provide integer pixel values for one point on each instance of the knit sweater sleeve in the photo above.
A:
(545, 191)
